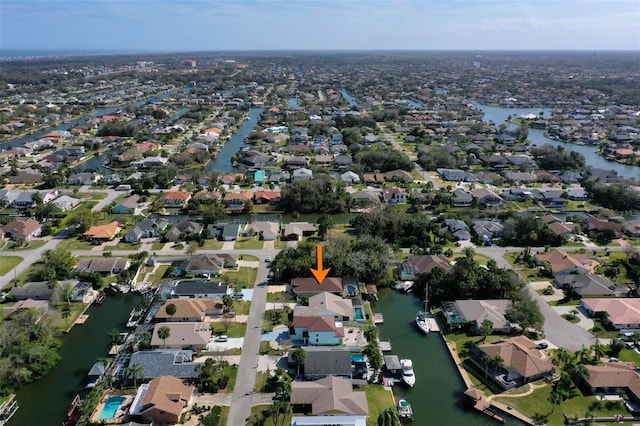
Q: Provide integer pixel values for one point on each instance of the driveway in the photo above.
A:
(584, 321)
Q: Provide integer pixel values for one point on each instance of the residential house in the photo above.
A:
(265, 230)
(198, 289)
(267, 197)
(102, 265)
(21, 228)
(577, 194)
(150, 162)
(350, 177)
(162, 400)
(517, 194)
(365, 200)
(598, 226)
(331, 396)
(86, 179)
(39, 305)
(456, 175)
(189, 310)
(147, 228)
(487, 198)
(323, 362)
(612, 377)
(416, 265)
(183, 335)
(231, 231)
(472, 313)
(127, 206)
(25, 199)
(457, 228)
(160, 362)
(563, 263)
(236, 201)
(583, 285)
(326, 303)
(317, 331)
(343, 161)
(103, 232)
(620, 313)
(302, 173)
(307, 287)
(207, 264)
(487, 230)
(66, 203)
(461, 198)
(294, 231)
(393, 195)
(41, 290)
(184, 230)
(565, 230)
(175, 199)
(373, 178)
(398, 176)
(523, 361)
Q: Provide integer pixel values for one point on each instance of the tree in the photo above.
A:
(67, 292)
(486, 327)
(65, 312)
(563, 356)
(227, 301)
(171, 309)
(299, 355)
(135, 371)
(279, 411)
(325, 223)
(388, 417)
(555, 398)
(164, 333)
(59, 263)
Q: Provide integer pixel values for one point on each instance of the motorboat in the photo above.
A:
(421, 322)
(405, 412)
(407, 372)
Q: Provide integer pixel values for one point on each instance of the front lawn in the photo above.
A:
(264, 412)
(7, 263)
(159, 275)
(244, 277)
(28, 245)
(629, 355)
(124, 246)
(378, 398)
(280, 245)
(273, 318)
(229, 327)
(248, 244)
(266, 349)
(157, 246)
(75, 243)
(278, 297)
(211, 245)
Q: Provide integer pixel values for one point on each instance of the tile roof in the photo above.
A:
(521, 355)
(620, 311)
(330, 284)
(168, 394)
(331, 395)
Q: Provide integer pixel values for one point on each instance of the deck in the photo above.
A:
(81, 319)
(378, 318)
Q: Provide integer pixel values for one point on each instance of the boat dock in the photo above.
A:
(378, 318)
(433, 324)
(81, 319)
(385, 346)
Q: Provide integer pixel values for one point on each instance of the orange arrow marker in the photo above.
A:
(319, 273)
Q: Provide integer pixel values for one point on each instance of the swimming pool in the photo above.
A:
(352, 291)
(357, 358)
(359, 313)
(111, 407)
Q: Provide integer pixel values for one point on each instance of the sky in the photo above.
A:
(224, 25)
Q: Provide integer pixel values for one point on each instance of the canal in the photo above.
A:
(46, 401)
(537, 137)
(232, 146)
(437, 397)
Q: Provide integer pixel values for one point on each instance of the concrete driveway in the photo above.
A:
(584, 321)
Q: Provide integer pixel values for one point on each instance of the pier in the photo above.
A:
(378, 318)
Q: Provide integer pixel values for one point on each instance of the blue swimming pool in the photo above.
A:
(357, 358)
(352, 291)
(359, 313)
(111, 407)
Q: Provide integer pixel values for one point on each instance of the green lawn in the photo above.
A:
(65, 323)
(378, 398)
(248, 244)
(277, 297)
(280, 245)
(249, 257)
(629, 355)
(159, 275)
(7, 263)
(244, 277)
(29, 245)
(157, 246)
(274, 317)
(481, 259)
(236, 329)
(212, 245)
(241, 307)
(124, 246)
(74, 243)
(538, 404)
(232, 372)
(263, 410)
(266, 349)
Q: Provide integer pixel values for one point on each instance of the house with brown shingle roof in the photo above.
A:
(22, 227)
(523, 361)
(328, 396)
(307, 287)
(103, 232)
(327, 304)
(621, 313)
(102, 265)
(189, 310)
(565, 263)
(607, 379)
(321, 330)
(176, 199)
(162, 400)
(183, 335)
(416, 265)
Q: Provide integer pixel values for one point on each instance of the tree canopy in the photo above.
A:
(549, 157)
(322, 194)
(383, 159)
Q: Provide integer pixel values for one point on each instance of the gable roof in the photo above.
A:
(329, 361)
(615, 375)
(331, 395)
(480, 310)
(22, 226)
(168, 394)
(520, 355)
(309, 284)
(158, 362)
(326, 304)
(186, 308)
(561, 261)
(183, 334)
(425, 263)
(104, 232)
(319, 324)
(189, 287)
(620, 311)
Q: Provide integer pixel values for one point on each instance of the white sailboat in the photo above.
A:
(421, 317)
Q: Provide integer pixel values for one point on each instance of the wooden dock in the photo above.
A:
(385, 346)
(81, 319)
(378, 318)
(433, 325)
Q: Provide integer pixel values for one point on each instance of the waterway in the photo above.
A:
(537, 137)
(46, 401)
(234, 144)
(437, 397)
(350, 99)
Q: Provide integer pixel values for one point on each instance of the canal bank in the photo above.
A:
(438, 395)
(46, 401)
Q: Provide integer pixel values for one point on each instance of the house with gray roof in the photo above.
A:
(66, 203)
(488, 229)
(297, 230)
(266, 230)
(147, 228)
(160, 362)
(208, 263)
(323, 361)
(184, 230)
(461, 198)
(40, 290)
(587, 285)
(460, 313)
(199, 289)
(127, 206)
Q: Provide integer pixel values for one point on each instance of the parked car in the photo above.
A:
(222, 338)
(268, 259)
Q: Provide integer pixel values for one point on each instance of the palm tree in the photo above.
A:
(135, 371)
(299, 356)
(486, 360)
(598, 350)
(486, 328)
(577, 372)
(555, 398)
(66, 313)
(388, 417)
(164, 333)
(563, 356)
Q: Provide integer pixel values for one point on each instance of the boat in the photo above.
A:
(407, 372)
(73, 414)
(405, 412)
(421, 322)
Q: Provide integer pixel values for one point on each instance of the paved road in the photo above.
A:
(557, 330)
(389, 138)
(243, 397)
